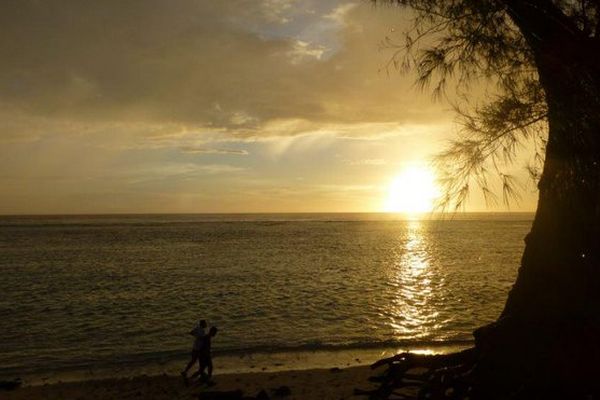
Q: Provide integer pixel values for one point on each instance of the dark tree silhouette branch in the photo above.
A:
(542, 58)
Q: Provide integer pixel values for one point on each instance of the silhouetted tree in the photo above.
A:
(543, 58)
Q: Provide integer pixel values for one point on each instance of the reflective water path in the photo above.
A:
(81, 291)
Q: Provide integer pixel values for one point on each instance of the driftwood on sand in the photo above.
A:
(416, 376)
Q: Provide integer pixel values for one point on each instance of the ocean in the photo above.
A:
(121, 292)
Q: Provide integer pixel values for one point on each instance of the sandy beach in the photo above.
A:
(311, 384)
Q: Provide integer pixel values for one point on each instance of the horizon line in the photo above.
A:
(261, 213)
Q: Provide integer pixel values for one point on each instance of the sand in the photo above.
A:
(322, 384)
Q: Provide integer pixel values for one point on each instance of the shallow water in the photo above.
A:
(81, 292)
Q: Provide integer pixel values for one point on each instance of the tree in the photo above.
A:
(543, 57)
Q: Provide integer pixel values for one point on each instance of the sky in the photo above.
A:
(203, 106)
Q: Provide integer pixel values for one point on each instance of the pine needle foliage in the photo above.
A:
(463, 43)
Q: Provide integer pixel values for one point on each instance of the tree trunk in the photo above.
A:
(546, 343)
(560, 272)
(548, 335)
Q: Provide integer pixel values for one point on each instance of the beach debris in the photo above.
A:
(418, 376)
(11, 385)
(222, 395)
(282, 391)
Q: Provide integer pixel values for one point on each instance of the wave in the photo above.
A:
(128, 361)
(318, 346)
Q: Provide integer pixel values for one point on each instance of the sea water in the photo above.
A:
(86, 293)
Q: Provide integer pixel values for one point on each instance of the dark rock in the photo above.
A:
(282, 391)
(10, 385)
(262, 395)
(335, 369)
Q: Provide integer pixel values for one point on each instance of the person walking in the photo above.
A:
(199, 333)
(205, 357)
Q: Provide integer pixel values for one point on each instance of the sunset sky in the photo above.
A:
(195, 106)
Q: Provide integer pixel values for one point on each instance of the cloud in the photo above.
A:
(175, 172)
(205, 150)
(192, 63)
(302, 50)
(369, 161)
(339, 13)
(116, 98)
(276, 10)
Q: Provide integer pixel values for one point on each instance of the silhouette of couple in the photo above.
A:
(201, 352)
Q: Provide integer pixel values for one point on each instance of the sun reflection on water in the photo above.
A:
(412, 315)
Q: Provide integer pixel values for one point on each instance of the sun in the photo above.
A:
(413, 191)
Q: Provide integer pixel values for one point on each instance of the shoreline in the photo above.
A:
(332, 383)
(227, 364)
